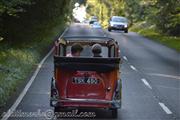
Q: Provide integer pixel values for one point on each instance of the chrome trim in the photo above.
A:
(114, 103)
(85, 100)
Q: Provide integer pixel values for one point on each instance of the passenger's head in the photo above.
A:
(76, 49)
(96, 49)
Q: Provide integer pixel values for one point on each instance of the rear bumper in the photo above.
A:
(73, 102)
(117, 28)
(56, 101)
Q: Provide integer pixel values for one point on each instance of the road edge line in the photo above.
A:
(23, 93)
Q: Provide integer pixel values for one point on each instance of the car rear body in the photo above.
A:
(86, 81)
(93, 19)
(96, 25)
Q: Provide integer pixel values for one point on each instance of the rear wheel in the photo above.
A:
(56, 109)
(126, 31)
(114, 113)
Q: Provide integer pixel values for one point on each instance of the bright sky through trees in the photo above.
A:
(79, 12)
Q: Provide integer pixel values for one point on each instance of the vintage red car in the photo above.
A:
(86, 81)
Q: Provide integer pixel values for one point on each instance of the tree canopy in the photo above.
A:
(22, 20)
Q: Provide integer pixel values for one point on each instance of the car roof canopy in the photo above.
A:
(88, 40)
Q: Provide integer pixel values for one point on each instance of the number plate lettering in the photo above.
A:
(85, 80)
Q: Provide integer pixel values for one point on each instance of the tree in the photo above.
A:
(24, 20)
(168, 16)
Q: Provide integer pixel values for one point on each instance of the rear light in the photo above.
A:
(54, 92)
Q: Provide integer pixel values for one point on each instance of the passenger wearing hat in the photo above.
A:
(96, 49)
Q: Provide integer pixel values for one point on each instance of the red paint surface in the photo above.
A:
(68, 89)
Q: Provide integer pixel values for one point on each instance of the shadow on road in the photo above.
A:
(83, 114)
(117, 31)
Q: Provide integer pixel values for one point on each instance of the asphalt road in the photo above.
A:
(150, 74)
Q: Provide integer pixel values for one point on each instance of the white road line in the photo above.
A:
(125, 58)
(132, 67)
(146, 83)
(165, 108)
(165, 75)
(23, 93)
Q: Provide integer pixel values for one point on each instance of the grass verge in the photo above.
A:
(149, 31)
(17, 62)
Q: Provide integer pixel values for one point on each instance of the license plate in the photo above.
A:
(85, 80)
(120, 26)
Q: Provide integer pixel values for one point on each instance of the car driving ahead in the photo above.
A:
(86, 81)
(96, 25)
(93, 19)
(118, 23)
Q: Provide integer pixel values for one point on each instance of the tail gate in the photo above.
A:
(86, 78)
